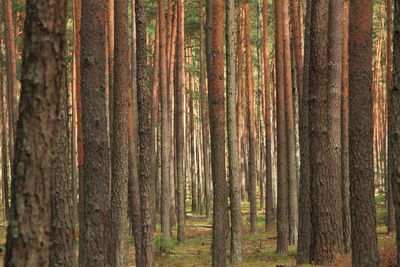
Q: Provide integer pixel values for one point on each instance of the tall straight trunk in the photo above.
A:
(234, 180)
(120, 142)
(154, 112)
(62, 248)
(30, 235)
(269, 210)
(96, 169)
(165, 129)
(133, 181)
(11, 68)
(216, 100)
(297, 45)
(78, 99)
(391, 222)
(325, 134)
(205, 126)
(180, 101)
(144, 142)
(251, 122)
(110, 71)
(4, 140)
(305, 227)
(191, 133)
(290, 129)
(394, 124)
(363, 220)
(282, 209)
(345, 130)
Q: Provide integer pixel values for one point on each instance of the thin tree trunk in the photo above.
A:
(205, 126)
(43, 87)
(282, 210)
(251, 123)
(290, 129)
(345, 131)
(180, 143)
(394, 124)
(391, 222)
(165, 130)
(363, 220)
(216, 100)
(270, 219)
(235, 201)
(120, 148)
(305, 227)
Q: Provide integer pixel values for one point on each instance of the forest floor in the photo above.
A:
(258, 249)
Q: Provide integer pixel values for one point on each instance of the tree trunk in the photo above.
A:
(394, 123)
(251, 123)
(43, 86)
(165, 130)
(363, 221)
(133, 181)
(391, 222)
(12, 104)
(325, 134)
(345, 131)
(269, 210)
(94, 236)
(305, 227)
(205, 125)
(235, 201)
(144, 128)
(120, 148)
(290, 130)
(180, 143)
(282, 210)
(216, 101)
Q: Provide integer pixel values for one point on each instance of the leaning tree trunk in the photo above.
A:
(43, 86)
(235, 201)
(363, 220)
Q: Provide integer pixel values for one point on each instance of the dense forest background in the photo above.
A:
(198, 132)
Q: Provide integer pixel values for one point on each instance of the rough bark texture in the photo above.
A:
(11, 57)
(250, 122)
(345, 131)
(235, 201)
(120, 148)
(391, 221)
(270, 219)
(144, 129)
(180, 145)
(282, 209)
(165, 129)
(290, 130)
(305, 227)
(216, 100)
(205, 125)
(62, 249)
(133, 182)
(96, 169)
(363, 221)
(43, 85)
(325, 137)
(394, 123)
